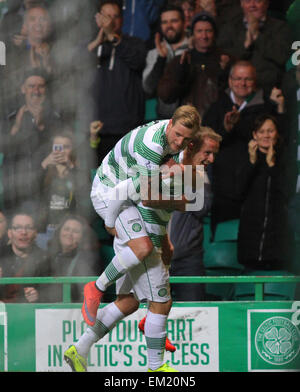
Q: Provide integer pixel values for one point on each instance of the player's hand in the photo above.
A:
(112, 231)
(167, 251)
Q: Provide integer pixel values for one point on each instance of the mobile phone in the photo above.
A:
(58, 147)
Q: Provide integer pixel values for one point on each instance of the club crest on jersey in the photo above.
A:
(136, 227)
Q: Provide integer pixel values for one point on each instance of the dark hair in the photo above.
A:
(38, 4)
(259, 121)
(54, 245)
(192, 3)
(22, 212)
(204, 17)
(172, 7)
(35, 72)
(114, 2)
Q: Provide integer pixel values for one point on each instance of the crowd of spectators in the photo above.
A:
(77, 77)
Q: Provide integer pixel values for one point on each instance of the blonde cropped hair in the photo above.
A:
(188, 116)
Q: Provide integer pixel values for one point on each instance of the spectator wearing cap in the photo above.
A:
(257, 37)
(27, 132)
(199, 74)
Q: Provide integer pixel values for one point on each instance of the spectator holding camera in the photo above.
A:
(61, 190)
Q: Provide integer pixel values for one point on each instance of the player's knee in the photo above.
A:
(161, 307)
(142, 247)
(147, 248)
(127, 304)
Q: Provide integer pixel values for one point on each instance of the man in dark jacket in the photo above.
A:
(116, 86)
(233, 116)
(197, 76)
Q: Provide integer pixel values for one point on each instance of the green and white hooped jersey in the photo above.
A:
(140, 152)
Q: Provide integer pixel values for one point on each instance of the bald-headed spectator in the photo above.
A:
(261, 39)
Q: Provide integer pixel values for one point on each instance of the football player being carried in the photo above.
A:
(139, 227)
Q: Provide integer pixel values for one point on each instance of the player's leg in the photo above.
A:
(151, 282)
(131, 232)
(156, 334)
(135, 251)
(122, 262)
(107, 318)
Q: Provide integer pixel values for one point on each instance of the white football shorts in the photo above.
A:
(150, 279)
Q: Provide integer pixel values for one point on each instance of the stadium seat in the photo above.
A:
(227, 231)
(220, 259)
(222, 255)
(220, 291)
(107, 253)
(272, 291)
(150, 109)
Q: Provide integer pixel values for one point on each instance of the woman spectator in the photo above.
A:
(71, 254)
(263, 240)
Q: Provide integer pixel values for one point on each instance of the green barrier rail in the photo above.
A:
(258, 281)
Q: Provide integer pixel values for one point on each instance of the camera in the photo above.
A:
(58, 147)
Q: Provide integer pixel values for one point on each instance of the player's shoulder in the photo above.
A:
(150, 141)
(153, 134)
